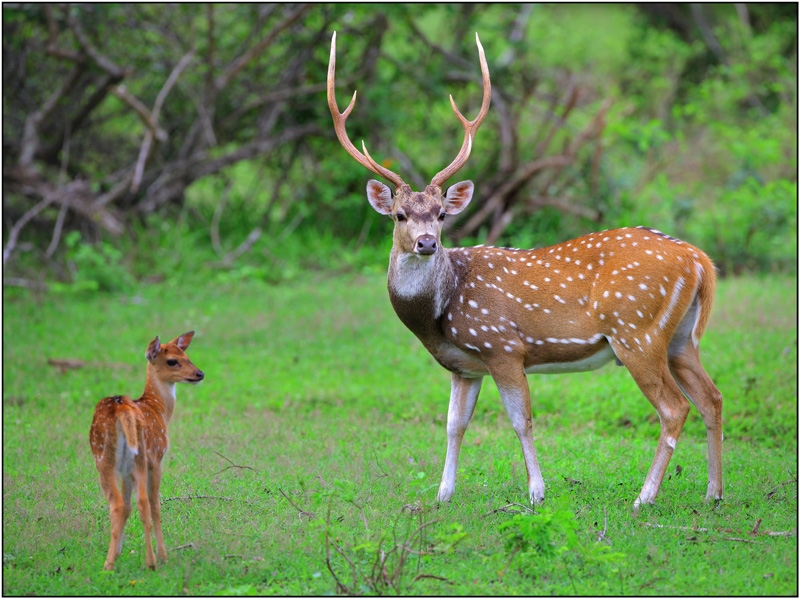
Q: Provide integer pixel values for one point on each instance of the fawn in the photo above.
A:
(129, 440)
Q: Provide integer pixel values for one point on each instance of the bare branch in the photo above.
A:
(100, 59)
(11, 244)
(30, 135)
(499, 196)
(52, 36)
(201, 164)
(149, 119)
(170, 82)
(62, 175)
(77, 193)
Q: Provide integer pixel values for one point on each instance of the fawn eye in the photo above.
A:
(442, 215)
(401, 217)
(172, 362)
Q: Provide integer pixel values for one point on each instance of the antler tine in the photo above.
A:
(339, 119)
(470, 127)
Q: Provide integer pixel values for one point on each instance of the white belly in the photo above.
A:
(593, 362)
(459, 361)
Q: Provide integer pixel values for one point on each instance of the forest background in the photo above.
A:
(146, 142)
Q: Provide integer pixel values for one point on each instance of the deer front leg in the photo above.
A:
(463, 397)
(513, 386)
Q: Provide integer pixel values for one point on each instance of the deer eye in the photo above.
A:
(442, 215)
(401, 217)
(172, 362)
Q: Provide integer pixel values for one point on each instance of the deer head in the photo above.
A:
(418, 216)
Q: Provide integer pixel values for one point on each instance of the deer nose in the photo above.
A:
(199, 375)
(426, 245)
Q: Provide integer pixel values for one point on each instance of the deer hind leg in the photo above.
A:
(127, 491)
(116, 510)
(655, 381)
(143, 503)
(463, 397)
(154, 486)
(685, 365)
(513, 386)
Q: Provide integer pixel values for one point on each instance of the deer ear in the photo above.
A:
(184, 340)
(379, 196)
(458, 196)
(153, 349)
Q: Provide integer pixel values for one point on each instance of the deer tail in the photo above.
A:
(129, 424)
(705, 296)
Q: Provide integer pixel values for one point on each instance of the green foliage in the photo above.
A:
(752, 226)
(97, 267)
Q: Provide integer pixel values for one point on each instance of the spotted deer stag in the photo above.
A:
(634, 295)
(129, 440)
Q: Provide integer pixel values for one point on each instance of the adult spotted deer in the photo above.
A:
(129, 440)
(633, 295)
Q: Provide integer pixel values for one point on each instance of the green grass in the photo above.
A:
(339, 414)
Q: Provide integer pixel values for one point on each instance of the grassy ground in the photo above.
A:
(313, 450)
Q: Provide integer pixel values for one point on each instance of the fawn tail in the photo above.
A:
(127, 416)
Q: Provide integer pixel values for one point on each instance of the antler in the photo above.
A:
(470, 127)
(339, 119)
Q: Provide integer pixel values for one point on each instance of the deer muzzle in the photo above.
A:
(426, 245)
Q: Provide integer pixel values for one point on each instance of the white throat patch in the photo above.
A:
(412, 276)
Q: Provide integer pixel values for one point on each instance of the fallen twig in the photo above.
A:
(755, 526)
(689, 528)
(505, 509)
(232, 465)
(768, 533)
(187, 546)
(191, 497)
(301, 512)
(73, 364)
(442, 578)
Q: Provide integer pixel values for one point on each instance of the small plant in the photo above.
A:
(547, 534)
(384, 565)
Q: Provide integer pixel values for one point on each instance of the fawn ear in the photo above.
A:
(184, 340)
(379, 196)
(458, 196)
(153, 349)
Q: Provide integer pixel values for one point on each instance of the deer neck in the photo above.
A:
(420, 288)
(159, 392)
